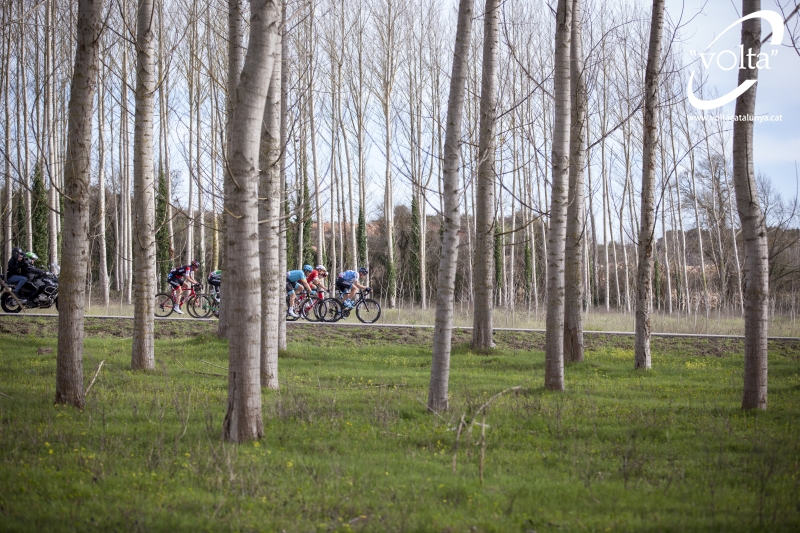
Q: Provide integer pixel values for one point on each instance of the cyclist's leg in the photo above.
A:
(290, 292)
(176, 292)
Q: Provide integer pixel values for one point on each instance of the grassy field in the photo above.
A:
(349, 445)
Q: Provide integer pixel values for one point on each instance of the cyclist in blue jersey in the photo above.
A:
(295, 282)
(347, 284)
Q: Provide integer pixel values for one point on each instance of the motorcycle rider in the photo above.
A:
(14, 275)
(29, 270)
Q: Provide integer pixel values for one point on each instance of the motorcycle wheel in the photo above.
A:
(9, 304)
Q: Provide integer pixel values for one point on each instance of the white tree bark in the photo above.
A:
(269, 228)
(576, 211)
(243, 419)
(144, 230)
(484, 208)
(443, 328)
(556, 238)
(101, 186)
(647, 227)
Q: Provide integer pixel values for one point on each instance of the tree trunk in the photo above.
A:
(484, 208)
(647, 228)
(754, 230)
(269, 228)
(282, 164)
(235, 61)
(101, 179)
(243, 419)
(576, 211)
(143, 241)
(443, 329)
(554, 335)
(69, 360)
(50, 127)
(8, 218)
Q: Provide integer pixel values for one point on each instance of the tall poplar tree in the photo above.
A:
(69, 360)
(754, 227)
(243, 419)
(143, 227)
(647, 227)
(556, 237)
(451, 215)
(485, 226)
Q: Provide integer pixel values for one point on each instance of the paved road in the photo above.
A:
(418, 326)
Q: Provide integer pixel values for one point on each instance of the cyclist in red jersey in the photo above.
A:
(179, 278)
(314, 276)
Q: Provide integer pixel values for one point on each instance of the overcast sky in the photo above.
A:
(776, 144)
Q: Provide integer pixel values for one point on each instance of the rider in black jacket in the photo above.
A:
(27, 266)
(14, 274)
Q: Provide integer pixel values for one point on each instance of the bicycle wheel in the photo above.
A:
(164, 304)
(329, 310)
(199, 305)
(192, 305)
(307, 310)
(368, 311)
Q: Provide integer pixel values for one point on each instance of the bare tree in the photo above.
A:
(451, 215)
(235, 62)
(576, 211)
(69, 360)
(647, 228)
(269, 228)
(144, 242)
(484, 205)
(101, 186)
(754, 229)
(243, 417)
(556, 238)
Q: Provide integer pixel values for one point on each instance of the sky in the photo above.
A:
(776, 144)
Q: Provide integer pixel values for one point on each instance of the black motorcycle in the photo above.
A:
(39, 292)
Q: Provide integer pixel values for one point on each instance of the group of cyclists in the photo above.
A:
(308, 279)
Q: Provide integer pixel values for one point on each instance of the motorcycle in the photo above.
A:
(39, 292)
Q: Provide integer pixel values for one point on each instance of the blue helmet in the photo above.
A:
(307, 268)
(363, 271)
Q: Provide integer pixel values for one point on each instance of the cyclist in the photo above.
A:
(314, 276)
(347, 282)
(182, 278)
(295, 282)
(215, 280)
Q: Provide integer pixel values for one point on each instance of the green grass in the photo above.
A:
(349, 445)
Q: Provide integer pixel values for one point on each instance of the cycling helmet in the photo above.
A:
(195, 264)
(322, 270)
(16, 251)
(307, 268)
(363, 271)
(32, 256)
